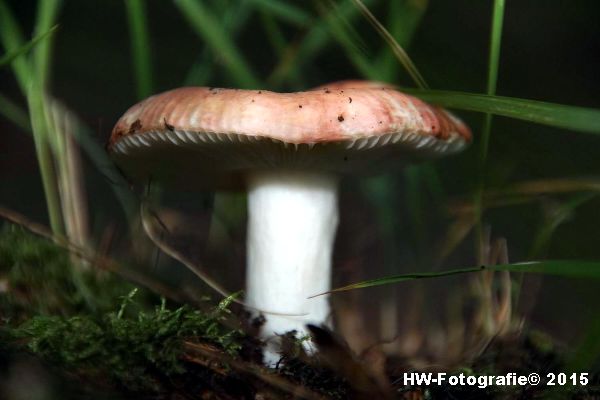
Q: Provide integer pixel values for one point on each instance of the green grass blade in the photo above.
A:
(206, 25)
(140, 45)
(285, 11)
(44, 135)
(93, 150)
(557, 115)
(562, 268)
(201, 70)
(403, 20)
(314, 41)
(349, 39)
(98, 156)
(558, 217)
(274, 33)
(44, 156)
(12, 55)
(12, 39)
(46, 18)
(400, 278)
(31, 77)
(399, 52)
(232, 20)
(495, 44)
(14, 113)
(493, 63)
(280, 45)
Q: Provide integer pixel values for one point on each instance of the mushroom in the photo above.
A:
(288, 150)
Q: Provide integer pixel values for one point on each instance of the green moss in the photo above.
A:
(135, 351)
(83, 324)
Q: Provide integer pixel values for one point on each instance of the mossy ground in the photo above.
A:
(98, 337)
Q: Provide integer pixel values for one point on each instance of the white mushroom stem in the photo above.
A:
(292, 220)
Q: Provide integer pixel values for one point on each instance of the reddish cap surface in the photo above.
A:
(344, 126)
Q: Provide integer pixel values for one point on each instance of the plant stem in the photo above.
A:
(140, 46)
(44, 156)
(494, 60)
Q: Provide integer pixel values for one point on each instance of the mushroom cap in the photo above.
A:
(218, 134)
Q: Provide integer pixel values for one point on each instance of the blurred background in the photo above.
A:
(541, 182)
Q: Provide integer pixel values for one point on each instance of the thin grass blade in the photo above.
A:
(399, 52)
(525, 192)
(349, 39)
(31, 75)
(206, 25)
(562, 214)
(285, 11)
(546, 186)
(47, 13)
(400, 278)
(12, 39)
(14, 113)
(232, 20)
(579, 119)
(493, 63)
(11, 56)
(315, 39)
(140, 45)
(99, 157)
(39, 126)
(495, 45)
(70, 173)
(562, 268)
(403, 20)
(274, 33)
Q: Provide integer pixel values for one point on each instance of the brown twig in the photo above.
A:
(257, 371)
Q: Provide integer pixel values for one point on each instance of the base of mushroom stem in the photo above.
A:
(275, 327)
(272, 350)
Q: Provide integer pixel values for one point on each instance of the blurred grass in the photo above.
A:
(10, 57)
(47, 14)
(285, 11)
(140, 45)
(349, 40)
(396, 48)
(14, 113)
(556, 217)
(13, 40)
(585, 356)
(37, 113)
(312, 44)
(32, 77)
(32, 74)
(404, 17)
(492, 81)
(232, 20)
(208, 28)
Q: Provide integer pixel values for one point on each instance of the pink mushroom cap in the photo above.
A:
(344, 127)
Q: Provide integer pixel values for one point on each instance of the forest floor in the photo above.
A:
(95, 336)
